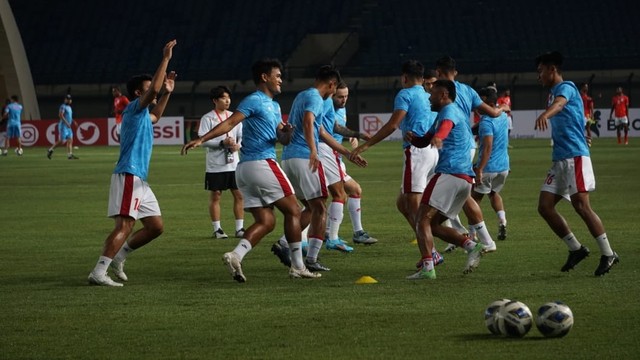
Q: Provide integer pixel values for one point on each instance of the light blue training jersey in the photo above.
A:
(419, 117)
(306, 101)
(328, 117)
(466, 98)
(567, 126)
(498, 128)
(341, 119)
(454, 155)
(259, 127)
(136, 141)
(67, 114)
(14, 114)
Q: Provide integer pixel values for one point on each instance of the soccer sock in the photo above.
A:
(469, 244)
(572, 242)
(355, 213)
(102, 265)
(603, 243)
(427, 263)
(296, 255)
(483, 233)
(334, 220)
(283, 242)
(315, 245)
(502, 217)
(122, 253)
(305, 232)
(239, 224)
(244, 246)
(457, 224)
(472, 232)
(216, 225)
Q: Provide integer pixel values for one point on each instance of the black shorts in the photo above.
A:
(220, 181)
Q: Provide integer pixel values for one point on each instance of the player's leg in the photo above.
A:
(425, 216)
(626, 132)
(214, 213)
(335, 212)
(354, 192)
(498, 206)
(476, 222)
(291, 211)
(238, 211)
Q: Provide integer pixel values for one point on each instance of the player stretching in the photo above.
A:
(130, 197)
(571, 175)
(260, 179)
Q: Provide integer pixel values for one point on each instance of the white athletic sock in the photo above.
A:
(456, 224)
(239, 224)
(122, 253)
(355, 213)
(483, 233)
(572, 242)
(216, 225)
(334, 218)
(244, 246)
(102, 265)
(428, 263)
(469, 244)
(296, 255)
(305, 232)
(315, 245)
(502, 217)
(283, 242)
(603, 244)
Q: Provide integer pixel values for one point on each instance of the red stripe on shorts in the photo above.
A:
(406, 186)
(337, 156)
(577, 164)
(282, 179)
(127, 194)
(323, 180)
(426, 195)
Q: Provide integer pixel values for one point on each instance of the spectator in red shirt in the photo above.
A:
(587, 102)
(120, 102)
(620, 114)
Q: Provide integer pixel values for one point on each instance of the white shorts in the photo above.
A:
(131, 196)
(307, 184)
(621, 120)
(418, 167)
(330, 164)
(262, 182)
(570, 176)
(343, 167)
(447, 193)
(491, 182)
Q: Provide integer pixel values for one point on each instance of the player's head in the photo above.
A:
(221, 97)
(267, 74)
(549, 68)
(115, 91)
(619, 90)
(327, 79)
(138, 85)
(506, 92)
(14, 98)
(584, 87)
(446, 68)
(412, 72)
(430, 77)
(489, 95)
(493, 85)
(341, 96)
(68, 99)
(442, 94)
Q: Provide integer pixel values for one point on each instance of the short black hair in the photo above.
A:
(448, 85)
(342, 85)
(490, 94)
(413, 69)
(446, 64)
(431, 73)
(264, 66)
(135, 83)
(327, 73)
(14, 97)
(218, 91)
(554, 58)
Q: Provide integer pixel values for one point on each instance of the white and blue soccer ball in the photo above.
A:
(514, 319)
(491, 315)
(554, 319)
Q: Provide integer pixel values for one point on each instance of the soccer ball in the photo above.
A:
(491, 315)
(19, 151)
(514, 319)
(554, 319)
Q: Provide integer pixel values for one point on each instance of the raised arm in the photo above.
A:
(159, 77)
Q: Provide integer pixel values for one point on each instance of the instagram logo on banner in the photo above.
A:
(30, 135)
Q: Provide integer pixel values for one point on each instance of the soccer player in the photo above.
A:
(301, 161)
(450, 187)
(620, 108)
(130, 197)
(587, 103)
(13, 115)
(3, 127)
(260, 179)
(492, 166)
(221, 162)
(467, 99)
(120, 102)
(65, 129)
(412, 113)
(571, 176)
(505, 101)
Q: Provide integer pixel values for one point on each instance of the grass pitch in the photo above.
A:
(180, 302)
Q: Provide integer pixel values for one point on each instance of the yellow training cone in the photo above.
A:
(366, 280)
(414, 242)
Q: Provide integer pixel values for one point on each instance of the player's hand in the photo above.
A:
(170, 82)
(353, 142)
(314, 161)
(190, 145)
(364, 136)
(284, 132)
(358, 160)
(357, 151)
(436, 142)
(541, 123)
(588, 140)
(478, 174)
(167, 52)
(234, 147)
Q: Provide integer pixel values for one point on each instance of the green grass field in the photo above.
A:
(180, 302)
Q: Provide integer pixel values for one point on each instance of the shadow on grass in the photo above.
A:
(491, 337)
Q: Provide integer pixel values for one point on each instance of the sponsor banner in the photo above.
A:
(523, 124)
(100, 131)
